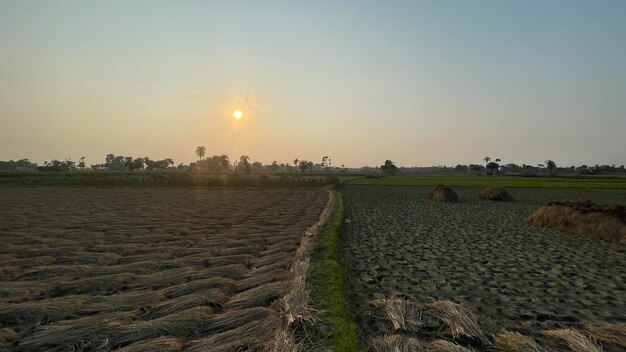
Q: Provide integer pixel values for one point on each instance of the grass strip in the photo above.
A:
(326, 282)
(580, 182)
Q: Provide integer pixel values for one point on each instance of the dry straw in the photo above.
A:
(125, 301)
(50, 271)
(403, 314)
(612, 333)
(41, 311)
(160, 344)
(23, 289)
(261, 296)
(574, 340)
(102, 284)
(141, 267)
(233, 271)
(397, 343)
(221, 283)
(445, 346)
(516, 342)
(10, 272)
(7, 335)
(442, 193)
(459, 320)
(187, 323)
(164, 278)
(570, 220)
(210, 298)
(87, 331)
(496, 194)
(238, 333)
(91, 258)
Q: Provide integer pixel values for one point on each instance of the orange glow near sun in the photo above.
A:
(237, 114)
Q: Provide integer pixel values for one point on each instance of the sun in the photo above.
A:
(237, 114)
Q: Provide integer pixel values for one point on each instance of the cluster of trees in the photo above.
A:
(128, 163)
(20, 165)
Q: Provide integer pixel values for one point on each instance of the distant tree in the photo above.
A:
(200, 150)
(274, 167)
(487, 160)
(326, 162)
(551, 165)
(244, 163)
(295, 163)
(257, 166)
(475, 167)
(128, 163)
(492, 167)
(461, 168)
(224, 162)
(81, 163)
(304, 165)
(389, 167)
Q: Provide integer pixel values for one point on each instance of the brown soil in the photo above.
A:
(147, 269)
(510, 274)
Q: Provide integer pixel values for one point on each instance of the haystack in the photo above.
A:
(442, 193)
(584, 218)
(496, 194)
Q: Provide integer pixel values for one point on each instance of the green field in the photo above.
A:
(583, 182)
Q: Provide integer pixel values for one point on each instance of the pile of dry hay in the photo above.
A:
(496, 194)
(584, 218)
(408, 318)
(442, 193)
(411, 331)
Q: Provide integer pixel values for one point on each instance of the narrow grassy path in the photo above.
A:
(336, 330)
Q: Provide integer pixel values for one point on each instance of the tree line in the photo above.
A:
(223, 164)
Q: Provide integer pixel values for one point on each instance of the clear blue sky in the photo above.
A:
(418, 82)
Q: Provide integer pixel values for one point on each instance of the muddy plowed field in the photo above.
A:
(146, 269)
(483, 255)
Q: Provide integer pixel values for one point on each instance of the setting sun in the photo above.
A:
(237, 114)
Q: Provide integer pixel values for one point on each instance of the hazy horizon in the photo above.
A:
(420, 83)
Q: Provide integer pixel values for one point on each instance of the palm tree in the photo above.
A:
(245, 161)
(224, 162)
(487, 160)
(200, 152)
(295, 163)
(389, 167)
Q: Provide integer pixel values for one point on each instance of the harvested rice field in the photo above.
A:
(413, 259)
(128, 269)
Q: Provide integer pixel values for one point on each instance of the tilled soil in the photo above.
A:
(482, 254)
(102, 269)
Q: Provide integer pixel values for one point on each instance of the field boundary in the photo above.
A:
(335, 328)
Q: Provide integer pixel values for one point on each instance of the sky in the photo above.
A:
(419, 82)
